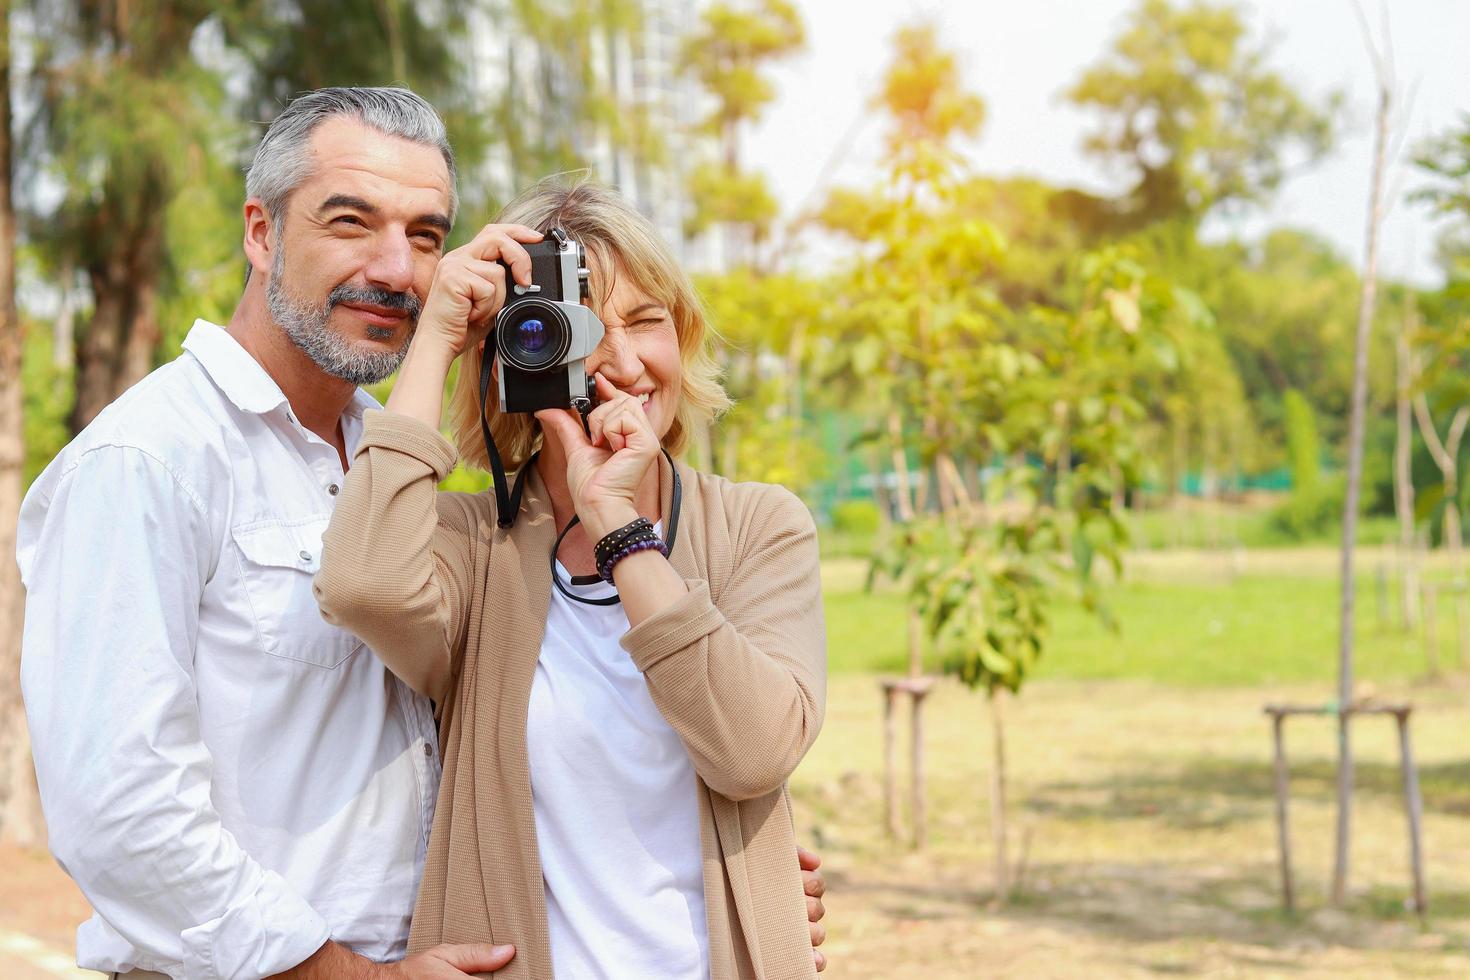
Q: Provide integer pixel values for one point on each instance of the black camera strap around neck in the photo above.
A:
(507, 503)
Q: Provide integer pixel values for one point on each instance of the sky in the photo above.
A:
(1021, 56)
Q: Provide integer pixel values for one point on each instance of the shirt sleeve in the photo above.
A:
(115, 563)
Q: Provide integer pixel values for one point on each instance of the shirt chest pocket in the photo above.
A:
(277, 561)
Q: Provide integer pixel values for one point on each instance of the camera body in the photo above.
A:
(543, 334)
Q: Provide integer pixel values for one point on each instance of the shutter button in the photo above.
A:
(333, 489)
(306, 556)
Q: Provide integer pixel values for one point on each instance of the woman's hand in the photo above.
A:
(606, 464)
(467, 291)
(469, 286)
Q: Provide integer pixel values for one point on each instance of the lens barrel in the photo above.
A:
(533, 334)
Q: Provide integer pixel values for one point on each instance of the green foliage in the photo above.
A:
(46, 394)
(1445, 160)
(727, 196)
(1302, 444)
(727, 55)
(857, 517)
(1189, 103)
(1311, 513)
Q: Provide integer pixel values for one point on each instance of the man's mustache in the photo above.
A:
(370, 296)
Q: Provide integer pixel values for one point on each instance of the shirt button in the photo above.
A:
(428, 750)
(305, 556)
(333, 489)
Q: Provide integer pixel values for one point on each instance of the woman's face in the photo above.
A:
(639, 353)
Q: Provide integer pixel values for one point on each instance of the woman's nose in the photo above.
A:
(616, 359)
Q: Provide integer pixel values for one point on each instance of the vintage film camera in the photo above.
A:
(543, 334)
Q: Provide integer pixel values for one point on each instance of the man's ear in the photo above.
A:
(259, 243)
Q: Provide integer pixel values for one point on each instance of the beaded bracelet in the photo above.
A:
(637, 537)
(650, 544)
(614, 540)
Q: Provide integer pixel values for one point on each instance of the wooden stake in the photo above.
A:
(916, 773)
(1431, 628)
(998, 800)
(1283, 825)
(1380, 581)
(890, 762)
(1414, 806)
(1462, 620)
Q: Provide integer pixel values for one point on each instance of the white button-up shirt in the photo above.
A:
(230, 779)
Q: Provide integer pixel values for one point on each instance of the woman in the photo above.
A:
(614, 797)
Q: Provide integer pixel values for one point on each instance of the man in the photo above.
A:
(239, 788)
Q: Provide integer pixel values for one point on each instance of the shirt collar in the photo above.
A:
(240, 376)
(232, 369)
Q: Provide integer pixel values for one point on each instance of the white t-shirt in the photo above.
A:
(617, 811)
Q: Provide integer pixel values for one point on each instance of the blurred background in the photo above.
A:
(1121, 349)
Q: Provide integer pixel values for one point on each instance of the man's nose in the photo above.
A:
(391, 267)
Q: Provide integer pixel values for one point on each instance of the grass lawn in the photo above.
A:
(1192, 618)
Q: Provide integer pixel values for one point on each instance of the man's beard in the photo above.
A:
(308, 329)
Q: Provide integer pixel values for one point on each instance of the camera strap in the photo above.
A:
(506, 503)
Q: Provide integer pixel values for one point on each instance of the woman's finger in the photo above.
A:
(606, 390)
(623, 424)
(565, 424)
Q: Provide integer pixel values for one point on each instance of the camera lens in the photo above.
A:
(533, 335)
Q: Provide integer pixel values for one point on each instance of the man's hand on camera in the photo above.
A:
(444, 962)
(470, 286)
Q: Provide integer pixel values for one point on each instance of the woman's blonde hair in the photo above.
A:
(619, 241)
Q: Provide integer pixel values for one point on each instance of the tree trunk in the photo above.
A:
(99, 352)
(1403, 478)
(63, 328)
(998, 798)
(1446, 455)
(122, 337)
(902, 492)
(142, 339)
(1366, 303)
(20, 810)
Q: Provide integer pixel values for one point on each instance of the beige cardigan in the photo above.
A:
(457, 608)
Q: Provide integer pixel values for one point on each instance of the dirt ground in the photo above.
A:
(1143, 822)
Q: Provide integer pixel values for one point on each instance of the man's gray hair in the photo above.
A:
(283, 158)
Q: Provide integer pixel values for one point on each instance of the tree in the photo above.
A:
(1445, 161)
(291, 46)
(1192, 110)
(727, 55)
(1367, 298)
(1445, 378)
(125, 118)
(20, 815)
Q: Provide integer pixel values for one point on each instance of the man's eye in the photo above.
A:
(349, 219)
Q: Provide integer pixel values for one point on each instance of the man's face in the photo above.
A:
(356, 249)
